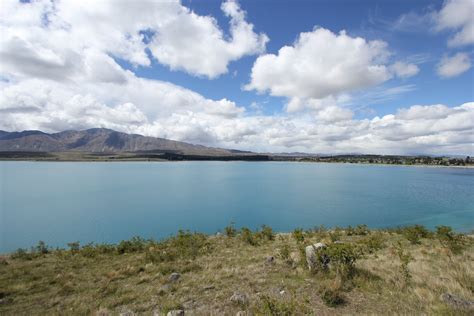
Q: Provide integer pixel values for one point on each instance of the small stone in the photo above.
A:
(270, 260)
(239, 298)
(241, 313)
(282, 292)
(174, 277)
(457, 302)
(176, 312)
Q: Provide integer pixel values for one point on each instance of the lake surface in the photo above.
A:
(60, 202)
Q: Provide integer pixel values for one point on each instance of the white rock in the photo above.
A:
(311, 257)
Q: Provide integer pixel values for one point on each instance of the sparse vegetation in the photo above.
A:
(367, 271)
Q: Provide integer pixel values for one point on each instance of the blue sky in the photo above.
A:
(354, 76)
(283, 21)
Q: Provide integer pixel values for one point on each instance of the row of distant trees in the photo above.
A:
(396, 160)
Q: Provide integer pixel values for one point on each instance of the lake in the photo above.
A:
(60, 202)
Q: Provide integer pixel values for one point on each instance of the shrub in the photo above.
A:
(342, 257)
(135, 244)
(91, 250)
(74, 247)
(373, 242)
(22, 254)
(248, 236)
(361, 230)
(320, 231)
(230, 230)
(284, 252)
(350, 231)
(184, 245)
(275, 307)
(190, 245)
(42, 248)
(335, 235)
(405, 259)
(267, 233)
(448, 238)
(298, 235)
(414, 233)
(331, 292)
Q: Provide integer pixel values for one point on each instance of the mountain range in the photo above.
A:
(100, 140)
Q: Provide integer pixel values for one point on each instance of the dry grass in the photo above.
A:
(62, 282)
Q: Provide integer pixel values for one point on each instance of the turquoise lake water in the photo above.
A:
(60, 202)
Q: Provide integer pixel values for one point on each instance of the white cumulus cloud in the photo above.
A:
(404, 70)
(454, 66)
(457, 15)
(322, 66)
(41, 37)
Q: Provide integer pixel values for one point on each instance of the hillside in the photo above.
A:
(98, 140)
(405, 271)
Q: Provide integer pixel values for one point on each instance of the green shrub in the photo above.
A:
(185, 245)
(23, 254)
(405, 258)
(74, 247)
(267, 233)
(342, 256)
(136, 244)
(284, 252)
(448, 238)
(190, 245)
(335, 235)
(230, 230)
(275, 307)
(331, 292)
(248, 236)
(361, 230)
(350, 231)
(42, 248)
(373, 242)
(298, 235)
(414, 233)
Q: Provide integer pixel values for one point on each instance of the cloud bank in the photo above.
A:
(58, 71)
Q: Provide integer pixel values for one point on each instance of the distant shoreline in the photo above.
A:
(224, 159)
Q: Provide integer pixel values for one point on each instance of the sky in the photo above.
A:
(327, 76)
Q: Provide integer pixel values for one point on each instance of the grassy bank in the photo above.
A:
(401, 271)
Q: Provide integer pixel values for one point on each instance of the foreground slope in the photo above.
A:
(405, 271)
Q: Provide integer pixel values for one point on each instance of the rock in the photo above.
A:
(176, 312)
(311, 257)
(242, 313)
(239, 299)
(174, 277)
(270, 260)
(457, 302)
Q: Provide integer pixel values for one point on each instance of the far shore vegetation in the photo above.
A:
(407, 270)
(242, 156)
